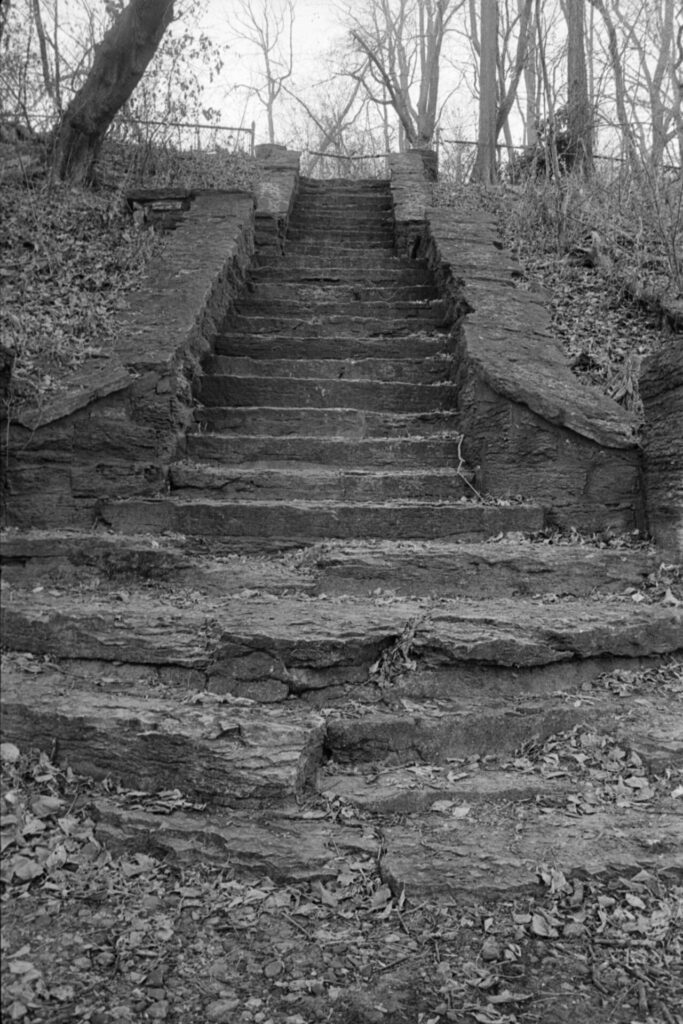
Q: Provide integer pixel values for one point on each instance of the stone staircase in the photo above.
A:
(323, 624)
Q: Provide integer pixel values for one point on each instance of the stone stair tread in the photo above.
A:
(362, 483)
(297, 631)
(326, 451)
(217, 750)
(53, 556)
(269, 524)
(328, 393)
(433, 368)
(278, 421)
(483, 569)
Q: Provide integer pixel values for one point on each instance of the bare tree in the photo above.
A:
(268, 26)
(400, 44)
(485, 164)
(579, 153)
(119, 63)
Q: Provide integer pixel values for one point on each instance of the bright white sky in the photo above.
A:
(317, 29)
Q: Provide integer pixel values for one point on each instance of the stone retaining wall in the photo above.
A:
(114, 428)
(529, 425)
(661, 388)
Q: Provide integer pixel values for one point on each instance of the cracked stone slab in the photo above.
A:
(224, 752)
(476, 569)
(497, 851)
(286, 849)
(297, 639)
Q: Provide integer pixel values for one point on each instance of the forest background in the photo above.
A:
(567, 113)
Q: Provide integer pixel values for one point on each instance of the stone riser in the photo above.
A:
(484, 571)
(330, 325)
(255, 305)
(432, 370)
(315, 483)
(344, 293)
(309, 272)
(327, 394)
(382, 454)
(348, 423)
(325, 260)
(274, 525)
(282, 346)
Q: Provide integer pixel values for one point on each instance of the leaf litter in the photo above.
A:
(93, 937)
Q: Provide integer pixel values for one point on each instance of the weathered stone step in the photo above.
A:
(420, 345)
(489, 854)
(366, 266)
(478, 570)
(270, 525)
(373, 453)
(348, 423)
(333, 325)
(447, 657)
(327, 394)
(429, 370)
(361, 233)
(320, 217)
(253, 305)
(317, 482)
(393, 271)
(214, 751)
(308, 292)
(60, 557)
(328, 247)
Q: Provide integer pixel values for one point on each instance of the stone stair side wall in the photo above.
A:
(529, 425)
(275, 194)
(115, 427)
(661, 388)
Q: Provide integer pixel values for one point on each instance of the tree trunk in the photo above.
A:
(485, 165)
(579, 113)
(119, 63)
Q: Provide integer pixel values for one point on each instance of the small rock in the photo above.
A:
(490, 949)
(101, 1017)
(221, 1011)
(273, 969)
(158, 1011)
(9, 753)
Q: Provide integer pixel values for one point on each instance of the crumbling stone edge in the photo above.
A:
(527, 421)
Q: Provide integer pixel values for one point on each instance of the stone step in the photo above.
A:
(369, 235)
(329, 247)
(321, 216)
(255, 306)
(491, 854)
(374, 453)
(348, 423)
(392, 271)
(482, 571)
(306, 293)
(430, 666)
(315, 482)
(219, 753)
(283, 346)
(272, 525)
(330, 325)
(327, 394)
(55, 558)
(430, 370)
(321, 264)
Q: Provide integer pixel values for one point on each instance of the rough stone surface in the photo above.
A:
(215, 752)
(661, 387)
(520, 404)
(114, 429)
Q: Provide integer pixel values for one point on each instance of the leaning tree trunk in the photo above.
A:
(120, 62)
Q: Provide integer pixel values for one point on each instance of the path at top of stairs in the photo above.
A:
(322, 617)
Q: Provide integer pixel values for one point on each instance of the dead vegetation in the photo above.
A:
(90, 936)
